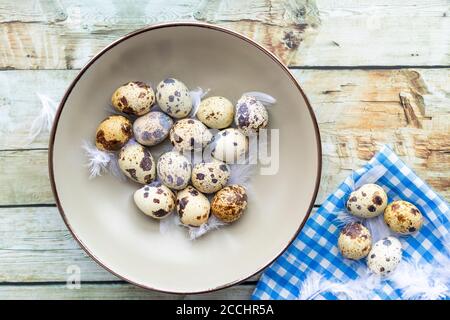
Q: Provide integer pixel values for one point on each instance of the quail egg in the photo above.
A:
(174, 170)
(230, 145)
(174, 98)
(229, 203)
(368, 201)
(134, 97)
(192, 207)
(152, 128)
(251, 115)
(155, 200)
(113, 133)
(355, 241)
(216, 112)
(403, 217)
(189, 134)
(137, 163)
(385, 256)
(210, 177)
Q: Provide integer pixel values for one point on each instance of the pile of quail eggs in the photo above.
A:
(355, 240)
(173, 183)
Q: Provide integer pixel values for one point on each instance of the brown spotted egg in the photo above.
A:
(137, 163)
(174, 98)
(216, 112)
(174, 170)
(152, 128)
(192, 207)
(229, 145)
(368, 201)
(134, 97)
(155, 200)
(385, 256)
(210, 177)
(355, 241)
(189, 134)
(113, 133)
(250, 115)
(229, 203)
(403, 217)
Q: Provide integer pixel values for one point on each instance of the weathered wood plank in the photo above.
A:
(35, 246)
(357, 111)
(111, 292)
(65, 34)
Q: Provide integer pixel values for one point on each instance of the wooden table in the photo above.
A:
(376, 72)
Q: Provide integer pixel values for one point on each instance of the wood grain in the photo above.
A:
(107, 291)
(357, 111)
(65, 34)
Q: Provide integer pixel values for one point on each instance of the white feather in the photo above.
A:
(313, 285)
(343, 218)
(264, 98)
(378, 228)
(100, 162)
(44, 120)
(197, 95)
(212, 224)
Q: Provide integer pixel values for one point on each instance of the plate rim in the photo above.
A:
(105, 50)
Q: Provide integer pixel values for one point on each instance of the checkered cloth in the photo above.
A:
(315, 248)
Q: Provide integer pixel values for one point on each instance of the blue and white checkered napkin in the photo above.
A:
(315, 249)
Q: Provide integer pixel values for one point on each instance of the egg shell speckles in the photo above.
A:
(385, 256)
(155, 200)
(174, 170)
(250, 115)
(152, 128)
(189, 134)
(112, 133)
(193, 207)
(368, 201)
(210, 177)
(230, 145)
(134, 97)
(403, 217)
(174, 98)
(229, 203)
(137, 163)
(355, 241)
(216, 112)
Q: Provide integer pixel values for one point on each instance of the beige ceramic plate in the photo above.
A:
(100, 212)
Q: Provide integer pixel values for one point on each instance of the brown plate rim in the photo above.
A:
(170, 25)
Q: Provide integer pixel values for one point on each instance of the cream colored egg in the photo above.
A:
(216, 112)
(403, 217)
(192, 207)
(152, 128)
(250, 115)
(210, 177)
(134, 97)
(137, 163)
(174, 98)
(174, 170)
(230, 145)
(355, 241)
(113, 133)
(368, 201)
(189, 134)
(155, 200)
(385, 256)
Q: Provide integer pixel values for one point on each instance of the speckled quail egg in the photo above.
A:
(216, 112)
(137, 163)
(152, 128)
(229, 203)
(250, 115)
(113, 133)
(210, 177)
(155, 200)
(403, 217)
(189, 134)
(385, 256)
(355, 241)
(192, 207)
(368, 201)
(229, 145)
(134, 97)
(174, 98)
(174, 170)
